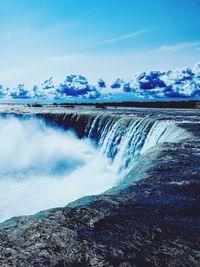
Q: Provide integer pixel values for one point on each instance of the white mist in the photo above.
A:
(43, 167)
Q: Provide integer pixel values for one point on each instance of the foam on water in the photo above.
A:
(42, 167)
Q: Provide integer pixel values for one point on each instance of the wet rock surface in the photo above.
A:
(153, 222)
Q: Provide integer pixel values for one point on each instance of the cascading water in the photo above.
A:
(125, 139)
(43, 167)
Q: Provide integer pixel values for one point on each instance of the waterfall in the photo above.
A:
(123, 139)
(120, 137)
(43, 166)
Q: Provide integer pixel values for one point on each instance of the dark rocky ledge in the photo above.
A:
(154, 222)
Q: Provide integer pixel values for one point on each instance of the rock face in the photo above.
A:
(152, 222)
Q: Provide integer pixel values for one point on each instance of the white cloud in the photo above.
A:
(117, 39)
(179, 46)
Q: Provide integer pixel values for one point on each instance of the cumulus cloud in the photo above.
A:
(101, 83)
(2, 91)
(180, 83)
(20, 92)
(118, 83)
(77, 86)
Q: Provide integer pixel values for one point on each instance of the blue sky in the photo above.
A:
(97, 38)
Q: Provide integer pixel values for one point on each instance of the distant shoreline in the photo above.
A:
(191, 104)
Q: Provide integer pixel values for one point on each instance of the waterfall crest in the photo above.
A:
(125, 139)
